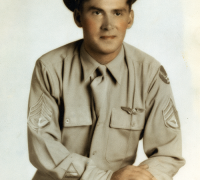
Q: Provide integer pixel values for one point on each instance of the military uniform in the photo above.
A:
(68, 140)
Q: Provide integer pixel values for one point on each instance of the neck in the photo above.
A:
(102, 58)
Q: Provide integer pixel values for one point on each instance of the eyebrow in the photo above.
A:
(99, 9)
(94, 8)
(123, 10)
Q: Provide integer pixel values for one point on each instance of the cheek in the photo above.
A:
(90, 26)
(122, 25)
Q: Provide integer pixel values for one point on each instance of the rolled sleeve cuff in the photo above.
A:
(85, 168)
(154, 166)
(79, 163)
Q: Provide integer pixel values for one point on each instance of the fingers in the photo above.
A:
(144, 166)
(133, 172)
(147, 173)
(138, 175)
(142, 169)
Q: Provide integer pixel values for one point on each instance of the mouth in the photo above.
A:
(107, 37)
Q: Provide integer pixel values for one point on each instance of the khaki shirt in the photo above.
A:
(67, 141)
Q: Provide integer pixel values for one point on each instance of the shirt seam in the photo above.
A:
(47, 69)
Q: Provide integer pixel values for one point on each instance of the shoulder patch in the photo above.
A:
(163, 75)
(71, 172)
(40, 114)
(170, 116)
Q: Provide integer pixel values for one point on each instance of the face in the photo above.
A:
(104, 24)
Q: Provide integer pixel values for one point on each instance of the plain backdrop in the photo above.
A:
(169, 30)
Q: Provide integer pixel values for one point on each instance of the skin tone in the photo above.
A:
(133, 173)
(104, 24)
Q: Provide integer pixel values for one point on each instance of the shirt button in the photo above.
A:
(94, 153)
(67, 121)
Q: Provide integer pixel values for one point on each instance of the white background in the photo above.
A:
(169, 30)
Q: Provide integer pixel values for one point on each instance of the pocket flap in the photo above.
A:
(77, 116)
(122, 120)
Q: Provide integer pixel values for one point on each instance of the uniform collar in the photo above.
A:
(90, 64)
(116, 65)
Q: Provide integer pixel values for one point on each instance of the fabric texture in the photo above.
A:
(67, 139)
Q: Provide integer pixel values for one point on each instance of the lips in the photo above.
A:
(108, 37)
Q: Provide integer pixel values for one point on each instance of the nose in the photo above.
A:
(107, 23)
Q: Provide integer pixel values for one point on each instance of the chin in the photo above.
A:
(108, 48)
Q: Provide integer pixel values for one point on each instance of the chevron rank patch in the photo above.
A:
(163, 75)
(170, 115)
(71, 172)
(40, 114)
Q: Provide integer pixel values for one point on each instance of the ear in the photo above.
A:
(77, 18)
(131, 18)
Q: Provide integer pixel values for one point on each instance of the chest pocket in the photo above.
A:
(77, 116)
(122, 120)
(76, 127)
(124, 134)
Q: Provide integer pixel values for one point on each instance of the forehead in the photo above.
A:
(106, 4)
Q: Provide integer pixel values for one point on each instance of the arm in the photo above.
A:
(46, 151)
(162, 134)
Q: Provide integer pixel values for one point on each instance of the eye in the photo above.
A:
(96, 12)
(118, 13)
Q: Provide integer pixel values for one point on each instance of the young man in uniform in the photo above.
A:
(92, 100)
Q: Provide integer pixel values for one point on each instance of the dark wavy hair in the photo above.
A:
(78, 4)
(130, 3)
(81, 2)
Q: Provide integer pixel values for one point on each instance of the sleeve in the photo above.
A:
(46, 152)
(162, 134)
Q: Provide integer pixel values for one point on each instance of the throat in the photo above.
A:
(103, 58)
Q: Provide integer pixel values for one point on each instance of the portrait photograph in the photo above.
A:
(100, 90)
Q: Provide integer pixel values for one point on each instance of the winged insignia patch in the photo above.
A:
(170, 115)
(40, 114)
(132, 111)
(163, 75)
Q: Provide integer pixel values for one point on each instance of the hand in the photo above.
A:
(133, 173)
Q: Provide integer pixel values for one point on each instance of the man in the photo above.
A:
(92, 100)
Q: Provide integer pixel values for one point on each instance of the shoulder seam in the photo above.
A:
(51, 63)
(153, 79)
(53, 91)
